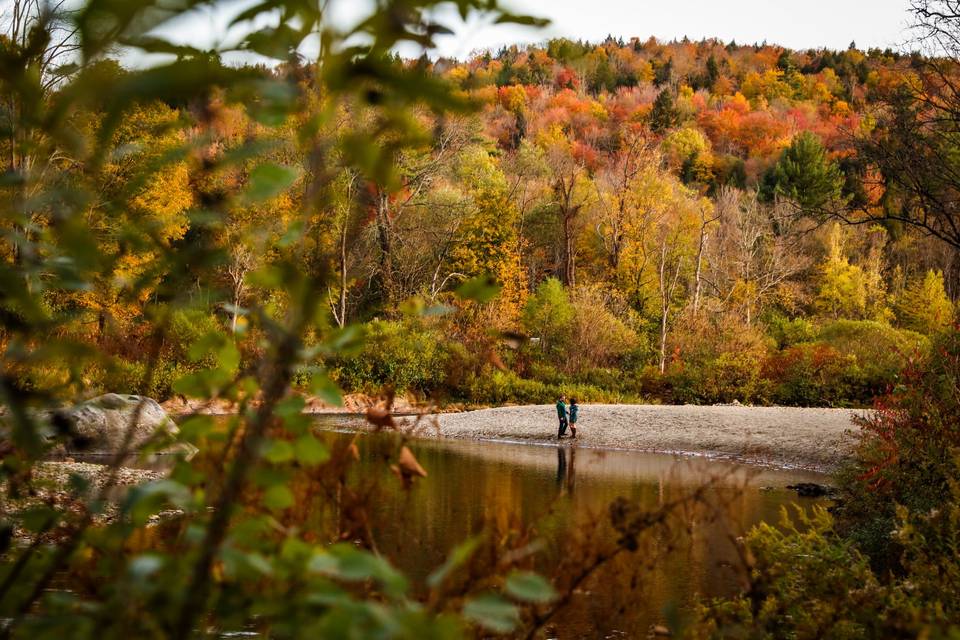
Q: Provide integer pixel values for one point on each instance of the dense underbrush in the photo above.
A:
(886, 562)
(836, 364)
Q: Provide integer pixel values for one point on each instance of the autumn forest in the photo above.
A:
(666, 220)
(265, 303)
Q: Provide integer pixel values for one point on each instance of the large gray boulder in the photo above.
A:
(101, 425)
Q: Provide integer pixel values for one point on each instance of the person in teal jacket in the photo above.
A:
(574, 410)
(562, 415)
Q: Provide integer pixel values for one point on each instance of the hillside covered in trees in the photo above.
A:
(624, 221)
(663, 221)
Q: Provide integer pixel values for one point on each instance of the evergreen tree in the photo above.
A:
(785, 63)
(804, 174)
(663, 72)
(713, 70)
(664, 115)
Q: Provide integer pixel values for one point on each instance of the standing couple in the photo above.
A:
(562, 414)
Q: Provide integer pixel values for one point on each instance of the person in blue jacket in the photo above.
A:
(562, 415)
(574, 410)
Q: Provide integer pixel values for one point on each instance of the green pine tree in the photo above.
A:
(664, 115)
(805, 175)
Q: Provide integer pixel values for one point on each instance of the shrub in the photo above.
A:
(906, 456)
(127, 376)
(924, 305)
(850, 363)
(806, 582)
(545, 373)
(186, 328)
(597, 337)
(610, 379)
(716, 360)
(548, 316)
(808, 375)
(506, 387)
(406, 355)
(890, 564)
(879, 349)
(788, 332)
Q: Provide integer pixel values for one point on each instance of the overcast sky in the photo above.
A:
(798, 24)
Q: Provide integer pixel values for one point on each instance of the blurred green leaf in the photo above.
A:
(326, 389)
(492, 612)
(351, 564)
(529, 587)
(527, 21)
(457, 558)
(479, 289)
(37, 519)
(291, 406)
(267, 277)
(268, 180)
(259, 563)
(148, 499)
(439, 310)
(310, 451)
(279, 451)
(196, 427)
(292, 235)
(278, 497)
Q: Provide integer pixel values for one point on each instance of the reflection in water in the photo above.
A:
(562, 499)
(563, 496)
(565, 475)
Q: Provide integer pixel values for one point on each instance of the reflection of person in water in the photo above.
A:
(565, 473)
(561, 465)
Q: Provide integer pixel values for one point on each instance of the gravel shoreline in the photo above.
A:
(814, 439)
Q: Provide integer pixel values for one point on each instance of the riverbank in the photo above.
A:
(814, 439)
(353, 404)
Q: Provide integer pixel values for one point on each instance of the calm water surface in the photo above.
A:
(563, 493)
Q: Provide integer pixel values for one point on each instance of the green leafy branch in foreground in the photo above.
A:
(71, 233)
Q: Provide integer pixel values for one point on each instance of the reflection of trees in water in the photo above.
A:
(691, 553)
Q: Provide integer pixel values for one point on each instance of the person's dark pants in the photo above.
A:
(563, 427)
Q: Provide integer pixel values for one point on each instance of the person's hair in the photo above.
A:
(573, 401)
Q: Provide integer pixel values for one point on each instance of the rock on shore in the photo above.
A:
(101, 425)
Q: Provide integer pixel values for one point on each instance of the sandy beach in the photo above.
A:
(815, 439)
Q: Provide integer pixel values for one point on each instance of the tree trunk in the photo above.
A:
(704, 238)
(237, 296)
(342, 315)
(664, 307)
(569, 267)
(385, 243)
(666, 295)
(101, 325)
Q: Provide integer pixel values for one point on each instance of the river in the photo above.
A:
(560, 494)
